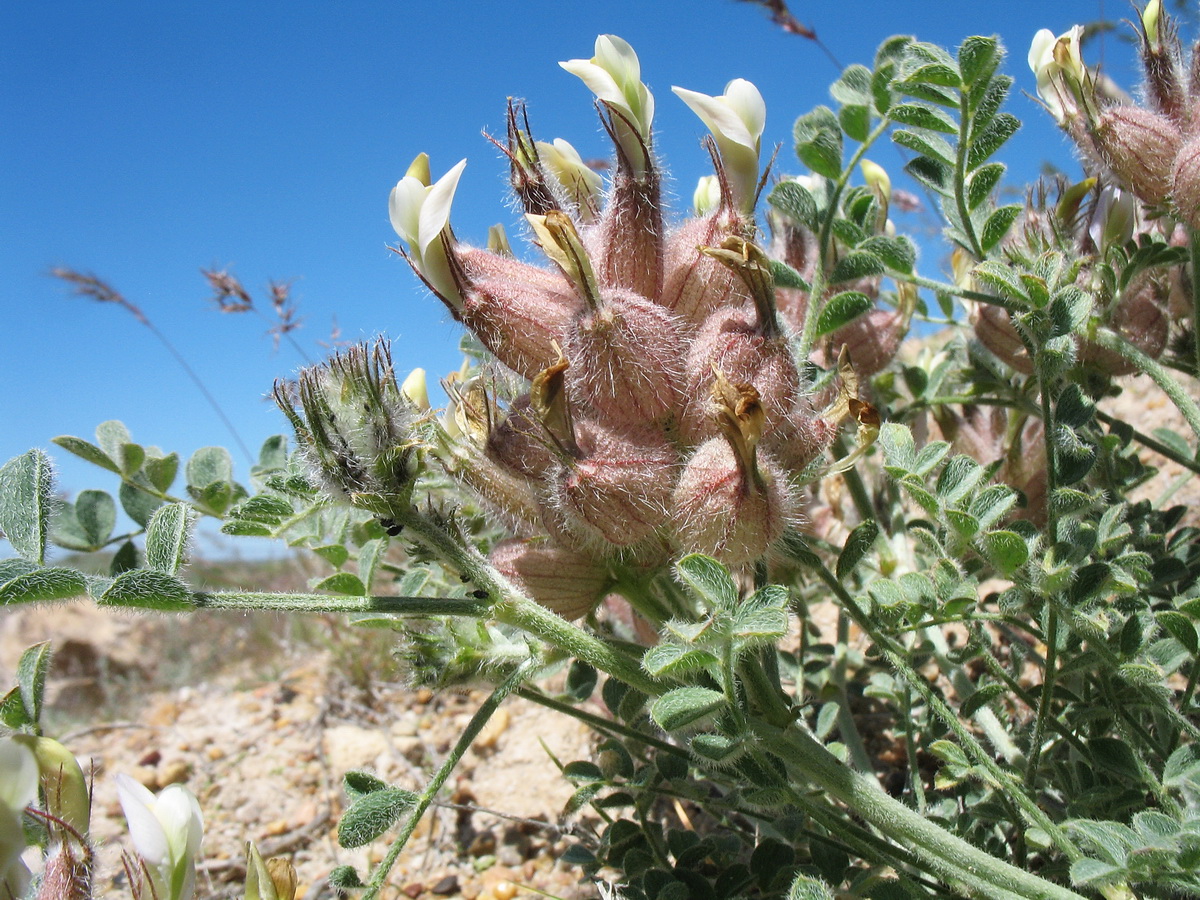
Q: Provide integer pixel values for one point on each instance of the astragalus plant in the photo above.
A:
(854, 610)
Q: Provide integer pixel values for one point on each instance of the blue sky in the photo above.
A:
(144, 140)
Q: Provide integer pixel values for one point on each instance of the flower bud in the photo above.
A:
(354, 427)
(568, 583)
(615, 496)
(696, 285)
(995, 330)
(1185, 182)
(1058, 64)
(518, 311)
(729, 503)
(625, 359)
(626, 242)
(736, 119)
(167, 830)
(420, 214)
(581, 187)
(1139, 147)
(707, 196)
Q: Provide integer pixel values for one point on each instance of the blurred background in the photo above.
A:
(143, 142)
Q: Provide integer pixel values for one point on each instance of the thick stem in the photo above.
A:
(330, 603)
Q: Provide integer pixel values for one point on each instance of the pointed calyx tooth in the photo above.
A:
(525, 165)
(753, 266)
(549, 402)
(740, 417)
(559, 240)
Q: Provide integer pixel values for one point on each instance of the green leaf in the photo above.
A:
(959, 477)
(935, 148)
(273, 455)
(1006, 550)
(345, 878)
(982, 182)
(935, 176)
(373, 814)
(1116, 756)
(853, 87)
(87, 451)
(370, 557)
(805, 887)
(856, 265)
(942, 74)
(242, 528)
(1073, 409)
(842, 309)
(897, 253)
(12, 711)
(979, 699)
(265, 508)
(31, 678)
(1183, 767)
(334, 554)
(1088, 872)
(921, 115)
(929, 457)
(758, 626)
(125, 559)
(796, 202)
(138, 504)
(977, 58)
(710, 580)
(26, 502)
(819, 142)
(997, 226)
(346, 583)
(675, 659)
(160, 471)
(1003, 279)
(96, 513)
(167, 537)
(148, 589)
(898, 447)
(1069, 310)
(991, 138)
(855, 121)
(681, 707)
(581, 681)
(787, 277)
(41, 585)
(114, 439)
(715, 748)
(357, 783)
(1179, 627)
(209, 465)
(858, 542)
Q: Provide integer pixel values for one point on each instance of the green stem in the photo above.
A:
(478, 721)
(330, 603)
(939, 851)
(960, 175)
(1158, 373)
(847, 727)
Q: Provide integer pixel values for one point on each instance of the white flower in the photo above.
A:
(420, 213)
(736, 120)
(1114, 218)
(707, 196)
(166, 830)
(1057, 62)
(18, 789)
(584, 187)
(614, 76)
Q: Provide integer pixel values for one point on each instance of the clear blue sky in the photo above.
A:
(144, 140)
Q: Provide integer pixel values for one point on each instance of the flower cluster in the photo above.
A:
(661, 410)
(1152, 150)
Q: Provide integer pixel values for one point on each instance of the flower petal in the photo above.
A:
(149, 838)
(435, 211)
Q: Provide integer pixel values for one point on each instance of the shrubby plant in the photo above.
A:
(672, 445)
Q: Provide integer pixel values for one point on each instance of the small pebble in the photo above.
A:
(447, 885)
(414, 890)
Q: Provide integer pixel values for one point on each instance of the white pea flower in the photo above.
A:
(18, 789)
(614, 76)
(166, 830)
(583, 186)
(420, 213)
(707, 196)
(1057, 62)
(736, 119)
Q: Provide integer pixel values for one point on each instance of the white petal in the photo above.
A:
(746, 100)
(597, 80)
(615, 56)
(1041, 49)
(18, 775)
(404, 207)
(146, 831)
(721, 120)
(435, 212)
(179, 814)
